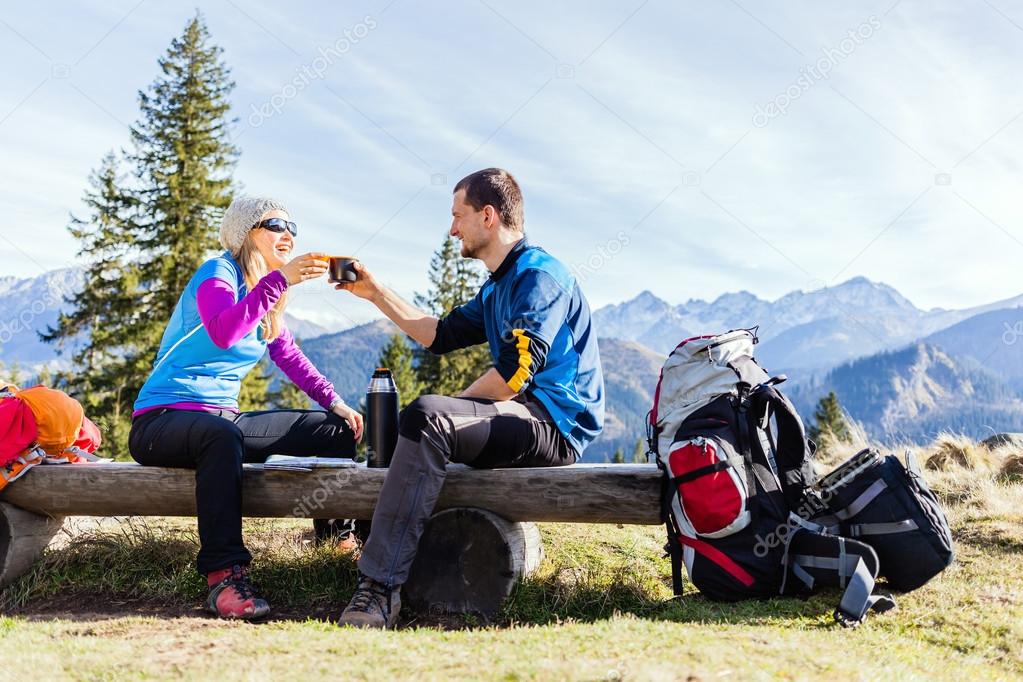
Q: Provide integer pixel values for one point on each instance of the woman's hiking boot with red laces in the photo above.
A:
(232, 595)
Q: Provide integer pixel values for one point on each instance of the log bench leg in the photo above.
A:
(23, 537)
(469, 560)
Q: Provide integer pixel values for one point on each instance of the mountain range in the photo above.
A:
(905, 373)
(28, 306)
(802, 330)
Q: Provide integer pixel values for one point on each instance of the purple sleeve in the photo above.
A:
(296, 366)
(226, 321)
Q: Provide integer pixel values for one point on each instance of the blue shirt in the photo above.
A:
(189, 367)
(537, 323)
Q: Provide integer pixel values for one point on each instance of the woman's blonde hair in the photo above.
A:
(254, 268)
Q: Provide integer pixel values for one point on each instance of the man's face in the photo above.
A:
(468, 225)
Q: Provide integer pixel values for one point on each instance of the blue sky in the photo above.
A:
(687, 148)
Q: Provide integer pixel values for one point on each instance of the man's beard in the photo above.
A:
(467, 251)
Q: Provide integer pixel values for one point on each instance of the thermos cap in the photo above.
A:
(382, 382)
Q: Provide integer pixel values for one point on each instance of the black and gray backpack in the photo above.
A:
(737, 470)
(887, 504)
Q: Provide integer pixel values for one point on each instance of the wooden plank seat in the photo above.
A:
(479, 542)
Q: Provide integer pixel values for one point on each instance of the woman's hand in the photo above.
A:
(306, 266)
(353, 417)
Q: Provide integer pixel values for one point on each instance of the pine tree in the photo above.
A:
(287, 396)
(255, 390)
(11, 375)
(830, 422)
(639, 452)
(44, 377)
(397, 357)
(143, 242)
(453, 281)
(619, 456)
(183, 162)
(108, 297)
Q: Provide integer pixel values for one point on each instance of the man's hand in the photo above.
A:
(412, 321)
(365, 286)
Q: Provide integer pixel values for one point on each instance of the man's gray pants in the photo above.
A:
(433, 431)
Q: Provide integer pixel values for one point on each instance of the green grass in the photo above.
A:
(125, 603)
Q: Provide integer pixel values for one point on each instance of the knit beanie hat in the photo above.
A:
(241, 216)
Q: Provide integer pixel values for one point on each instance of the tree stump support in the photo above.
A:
(23, 537)
(469, 560)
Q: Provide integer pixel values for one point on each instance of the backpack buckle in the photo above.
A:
(814, 502)
(742, 398)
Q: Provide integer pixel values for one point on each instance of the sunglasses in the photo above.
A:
(277, 225)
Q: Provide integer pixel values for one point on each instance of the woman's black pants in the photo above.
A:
(215, 445)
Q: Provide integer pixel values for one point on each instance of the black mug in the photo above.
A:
(341, 269)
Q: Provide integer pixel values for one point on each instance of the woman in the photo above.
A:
(186, 415)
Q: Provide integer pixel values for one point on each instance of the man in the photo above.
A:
(540, 404)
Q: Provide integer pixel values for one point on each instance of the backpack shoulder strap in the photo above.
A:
(793, 454)
(674, 550)
(673, 547)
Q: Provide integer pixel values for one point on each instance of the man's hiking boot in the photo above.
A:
(232, 595)
(373, 605)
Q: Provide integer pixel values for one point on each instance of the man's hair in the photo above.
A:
(495, 187)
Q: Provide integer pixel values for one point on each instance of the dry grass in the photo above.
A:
(951, 451)
(960, 470)
(1012, 468)
(153, 559)
(831, 451)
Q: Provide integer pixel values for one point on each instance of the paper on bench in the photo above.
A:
(287, 463)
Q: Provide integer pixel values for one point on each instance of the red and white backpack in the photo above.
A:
(737, 466)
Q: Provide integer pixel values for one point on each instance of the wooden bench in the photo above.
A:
(480, 541)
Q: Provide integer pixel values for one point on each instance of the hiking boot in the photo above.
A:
(340, 531)
(232, 595)
(349, 544)
(373, 605)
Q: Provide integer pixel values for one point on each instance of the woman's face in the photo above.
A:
(275, 247)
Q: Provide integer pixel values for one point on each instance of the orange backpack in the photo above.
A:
(42, 424)
(58, 417)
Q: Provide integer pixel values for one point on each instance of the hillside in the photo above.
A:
(348, 358)
(630, 375)
(914, 393)
(30, 306)
(993, 339)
